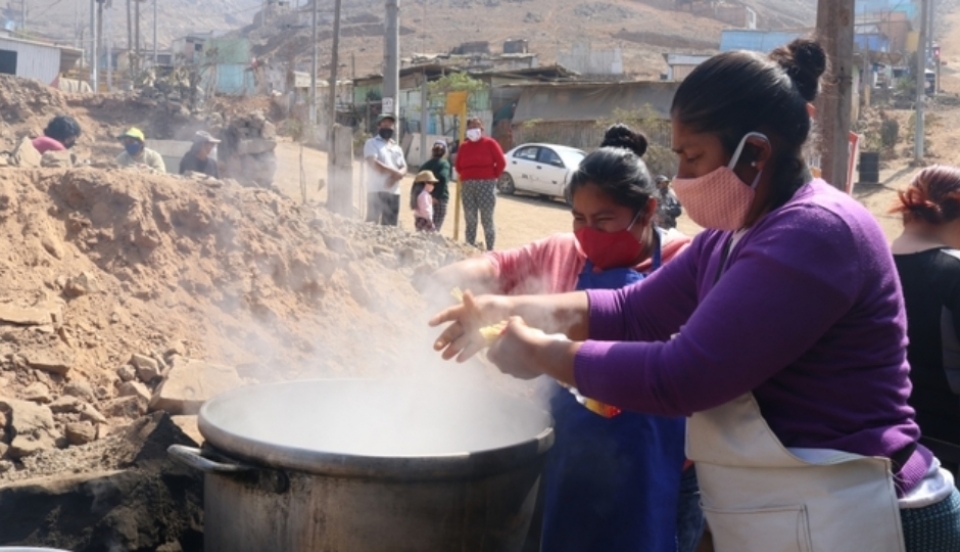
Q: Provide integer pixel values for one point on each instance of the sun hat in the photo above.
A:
(425, 176)
(205, 137)
(133, 132)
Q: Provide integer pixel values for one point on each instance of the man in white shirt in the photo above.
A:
(385, 168)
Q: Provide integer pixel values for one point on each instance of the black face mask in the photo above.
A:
(438, 153)
(386, 133)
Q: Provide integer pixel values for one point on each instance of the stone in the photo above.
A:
(133, 389)
(80, 389)
(125, 407)
(81, 284)
(80, 433)
(91, 414)
(57, 159)
(31, 426)
(55, 361)
(189, 426)
(190, 383)
(126, 373)
(148, 369)
(256, 147)
(66, 405)
(26, 316)
(25, 155)
(37, 392)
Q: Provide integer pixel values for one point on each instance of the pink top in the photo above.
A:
(552, 265)
(44, 144)
(424, 208)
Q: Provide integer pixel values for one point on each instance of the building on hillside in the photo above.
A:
(736, 14)
(680, 65)
(592, 63)
(227, 66)
(572, 113)
(36, 60)
(895, 25)
(494, 103)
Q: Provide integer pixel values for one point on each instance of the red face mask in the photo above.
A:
(608, 250)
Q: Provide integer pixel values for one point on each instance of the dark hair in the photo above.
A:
(415, 193)
(616, 168)
(62, 128)
(933, 196)
(734, 93)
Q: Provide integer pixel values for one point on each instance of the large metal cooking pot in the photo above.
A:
(368, 466)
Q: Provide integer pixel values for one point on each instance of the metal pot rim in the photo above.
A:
(272, 455)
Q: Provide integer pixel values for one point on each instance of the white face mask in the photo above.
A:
(473, 134)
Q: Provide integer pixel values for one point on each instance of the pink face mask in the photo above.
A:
(719, 199)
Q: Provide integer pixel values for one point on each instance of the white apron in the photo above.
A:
(760, 497)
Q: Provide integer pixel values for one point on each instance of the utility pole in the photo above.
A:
(391, 60)
(23, 15)
(136, 36)
(334, 63)
(109, 45)
(313, 69)
(129, 37)
(155, 54)
(918, 134)
(98, 51)
(835, 32)
(93, 46)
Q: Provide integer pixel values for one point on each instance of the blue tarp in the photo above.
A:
(758, 41)
(885, 6)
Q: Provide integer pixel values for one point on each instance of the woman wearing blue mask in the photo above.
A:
(136, 154)
(612, 478)
(781, 332)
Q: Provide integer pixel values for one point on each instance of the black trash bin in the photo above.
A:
(869, 167)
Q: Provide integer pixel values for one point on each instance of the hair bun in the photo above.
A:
(805, 62)
(621, 136)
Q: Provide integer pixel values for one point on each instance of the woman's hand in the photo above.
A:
(462, 339)
(524, 352)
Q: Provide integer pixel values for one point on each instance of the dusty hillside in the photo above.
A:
(69, 21)
(644, 29)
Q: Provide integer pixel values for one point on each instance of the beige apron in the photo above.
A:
(760, 497)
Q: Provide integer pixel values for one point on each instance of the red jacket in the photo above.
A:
(480, 160)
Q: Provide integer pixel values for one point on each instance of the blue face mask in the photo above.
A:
(133, 149)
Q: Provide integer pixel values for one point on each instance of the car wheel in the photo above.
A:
(505, 184)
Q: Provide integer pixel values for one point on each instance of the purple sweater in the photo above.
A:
(808, 315)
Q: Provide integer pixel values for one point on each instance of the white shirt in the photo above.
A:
(388, 153)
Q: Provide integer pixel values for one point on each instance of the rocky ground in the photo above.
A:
(129, 294)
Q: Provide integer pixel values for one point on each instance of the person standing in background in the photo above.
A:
(61, 134)
(421, 201)
(199, 159)
(480, 162)
(668, 206)
(440, 168)
(927, 255)
(136, 154)
(387, 167)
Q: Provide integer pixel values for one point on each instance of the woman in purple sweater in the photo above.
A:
(780, 332)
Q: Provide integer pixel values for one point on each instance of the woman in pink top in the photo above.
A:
(61, 134)
(612, 480)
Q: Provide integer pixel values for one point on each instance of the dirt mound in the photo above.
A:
(101, 265)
